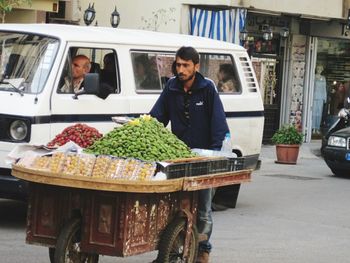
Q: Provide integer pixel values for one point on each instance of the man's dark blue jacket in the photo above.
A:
(206, 126)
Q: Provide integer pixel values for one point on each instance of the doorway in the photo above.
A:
(267, 72)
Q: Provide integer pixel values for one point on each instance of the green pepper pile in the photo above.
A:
(144, 138)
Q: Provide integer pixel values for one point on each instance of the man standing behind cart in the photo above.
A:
(192, 105)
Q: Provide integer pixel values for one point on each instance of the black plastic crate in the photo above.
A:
(175, 170)
(219, 166)
(236, 164)
(202, 167)
(198, 168)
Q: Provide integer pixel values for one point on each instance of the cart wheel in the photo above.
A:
(52, 254)
(171, 245)
(68, 245)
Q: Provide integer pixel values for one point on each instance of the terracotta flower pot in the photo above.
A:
(287, 153)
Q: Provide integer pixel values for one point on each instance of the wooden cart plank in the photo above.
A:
(215, 180)
(115, 185)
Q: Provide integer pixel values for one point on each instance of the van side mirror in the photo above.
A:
(92, 83)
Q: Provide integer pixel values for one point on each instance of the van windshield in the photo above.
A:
(25, 61)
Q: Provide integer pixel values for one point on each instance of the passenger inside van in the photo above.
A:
(95, 68)
(145, 77)
(108, 76)
(226, 77)
(80, 67)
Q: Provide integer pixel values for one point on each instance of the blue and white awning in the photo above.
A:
(222, 25)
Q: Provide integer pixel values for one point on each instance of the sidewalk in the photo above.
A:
(309, 155)
(307, 150)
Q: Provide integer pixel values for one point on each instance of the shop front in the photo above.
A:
(321, 54)
(331, 82)
(265, 44)
(307, 81)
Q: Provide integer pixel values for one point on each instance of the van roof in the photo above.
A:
(112, 35)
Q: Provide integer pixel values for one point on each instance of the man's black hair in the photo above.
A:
(188, 53)
(227, 68)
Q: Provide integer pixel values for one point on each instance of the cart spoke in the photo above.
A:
(175, 258)
(177, 249)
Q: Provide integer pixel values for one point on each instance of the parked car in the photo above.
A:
(336, 145)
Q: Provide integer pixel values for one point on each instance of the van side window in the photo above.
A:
(151, 70)
(90, 60)
(222, 70)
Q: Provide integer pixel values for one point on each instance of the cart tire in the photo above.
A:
(68, 245)
(171, 245)
(52, 254)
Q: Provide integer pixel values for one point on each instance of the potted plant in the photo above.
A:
(287, 140)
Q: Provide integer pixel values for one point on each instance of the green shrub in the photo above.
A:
(288, 134)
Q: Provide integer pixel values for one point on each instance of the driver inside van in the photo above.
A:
(81, 65)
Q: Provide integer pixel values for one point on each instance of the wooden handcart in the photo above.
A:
(80, 218)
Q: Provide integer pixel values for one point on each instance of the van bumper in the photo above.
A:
(12, 187)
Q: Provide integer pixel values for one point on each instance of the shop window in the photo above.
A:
(331, 83)
(257, 45)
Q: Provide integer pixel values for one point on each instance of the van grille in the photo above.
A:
(248, 74)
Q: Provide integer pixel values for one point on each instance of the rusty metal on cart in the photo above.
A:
(215, 180)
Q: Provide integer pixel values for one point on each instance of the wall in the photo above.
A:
(171, 15)
(34, 13)
(42, 5)
(23, 16)
(139, 14)
(334, 29)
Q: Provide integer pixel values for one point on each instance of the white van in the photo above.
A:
(35, 59)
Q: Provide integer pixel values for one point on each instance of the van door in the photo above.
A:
(66, 108)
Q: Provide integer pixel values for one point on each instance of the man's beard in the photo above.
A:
(187, 79)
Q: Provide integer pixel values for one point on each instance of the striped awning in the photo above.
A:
(222, 25)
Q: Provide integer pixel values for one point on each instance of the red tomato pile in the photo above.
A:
(81, 134)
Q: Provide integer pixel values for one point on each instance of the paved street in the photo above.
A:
(288, 213)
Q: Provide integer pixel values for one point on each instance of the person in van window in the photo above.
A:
(108, 76)
(193, 106)
(80, 67)
(226, 76)
(145, 76)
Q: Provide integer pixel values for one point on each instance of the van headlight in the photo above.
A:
(337, 141)
(18, 130)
